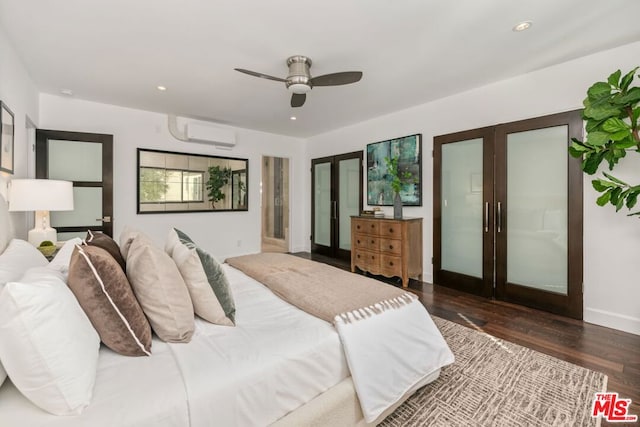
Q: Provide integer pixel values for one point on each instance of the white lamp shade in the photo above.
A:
(40, 195)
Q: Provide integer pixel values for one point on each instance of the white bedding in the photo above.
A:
(273, 361)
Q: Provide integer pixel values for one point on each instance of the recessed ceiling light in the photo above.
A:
(161, 88)
(524, 25)
(66, 92)
(293, 118)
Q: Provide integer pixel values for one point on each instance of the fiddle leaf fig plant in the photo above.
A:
(612, 111)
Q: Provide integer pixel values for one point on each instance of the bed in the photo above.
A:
(278, 366)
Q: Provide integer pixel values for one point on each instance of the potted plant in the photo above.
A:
(611, 111)
(218, 178)
(398, 179)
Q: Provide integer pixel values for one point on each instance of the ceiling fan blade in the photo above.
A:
(337, 79)
(262, 76)
(297, 99)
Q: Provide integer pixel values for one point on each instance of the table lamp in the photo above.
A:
(41, 196)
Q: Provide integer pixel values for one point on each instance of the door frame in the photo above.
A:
(477, 286)
(494, 283)
(334, 250)
(42, 171)
(289, 190)
(570, 304)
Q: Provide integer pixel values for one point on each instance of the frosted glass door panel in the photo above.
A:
(462, 207)
(75, 161)
(87, 209)
(537, 208)
(348, 198)
(322, 232)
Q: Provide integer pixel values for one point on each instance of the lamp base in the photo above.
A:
(39, 235)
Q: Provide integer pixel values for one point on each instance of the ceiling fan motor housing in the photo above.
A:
(298, 80)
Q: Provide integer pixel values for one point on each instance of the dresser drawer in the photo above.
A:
(366, 260)
(373, 243)
(390, 230)
(391, 246)
(360, 241)
(391, 265)
(367, 226)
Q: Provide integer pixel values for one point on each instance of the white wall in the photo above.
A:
(611, 241)
(221, 233)
(20, 94)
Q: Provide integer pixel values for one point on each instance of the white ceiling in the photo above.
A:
(411, 51)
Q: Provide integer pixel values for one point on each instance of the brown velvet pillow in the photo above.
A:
(105, 295)
(105, 242)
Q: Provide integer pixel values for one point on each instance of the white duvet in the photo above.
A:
(276, 359)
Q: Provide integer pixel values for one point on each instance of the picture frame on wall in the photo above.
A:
(7, 133)
(408, 149)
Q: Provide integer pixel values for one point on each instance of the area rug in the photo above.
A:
(497, 383)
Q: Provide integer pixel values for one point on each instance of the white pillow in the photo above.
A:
(47, 344)
(63, 258)
(17, 259)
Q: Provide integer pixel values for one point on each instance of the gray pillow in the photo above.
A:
(205, 278)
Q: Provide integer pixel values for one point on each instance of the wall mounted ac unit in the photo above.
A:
(203, 133)
(207, 134)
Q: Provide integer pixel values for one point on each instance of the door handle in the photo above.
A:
(499, 217)
(104, 219)
(486, 217)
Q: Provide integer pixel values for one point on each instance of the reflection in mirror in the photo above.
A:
(179, 182)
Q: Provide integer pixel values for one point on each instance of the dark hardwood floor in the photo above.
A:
(612, 352)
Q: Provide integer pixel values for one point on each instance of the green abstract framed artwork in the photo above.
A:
(408, 151)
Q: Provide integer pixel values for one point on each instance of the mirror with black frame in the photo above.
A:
(170, 182)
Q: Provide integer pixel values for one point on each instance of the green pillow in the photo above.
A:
(213, 272)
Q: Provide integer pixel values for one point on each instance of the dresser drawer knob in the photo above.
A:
(358, 255)
(358, 227)
(373, 257)
(391, 263)
(358, 241)
(373, 241)
(372, 226)
(391, 230)
(390, 246)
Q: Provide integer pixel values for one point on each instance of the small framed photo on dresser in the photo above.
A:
(7, 132)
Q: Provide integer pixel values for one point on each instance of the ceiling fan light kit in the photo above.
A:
(299, 80)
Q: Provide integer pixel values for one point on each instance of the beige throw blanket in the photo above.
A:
(319, 289)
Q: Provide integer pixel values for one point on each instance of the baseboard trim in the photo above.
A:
(612, 320)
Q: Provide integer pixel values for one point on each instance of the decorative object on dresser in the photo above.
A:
(405, 155)
(387, 247)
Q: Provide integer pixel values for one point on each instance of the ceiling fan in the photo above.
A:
(299, 80)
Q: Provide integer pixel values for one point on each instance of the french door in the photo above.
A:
(86, 159)
(336, 195)
(508, 213)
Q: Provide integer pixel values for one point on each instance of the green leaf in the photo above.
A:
(593, 124)
(614, 124)
(614, 179)
(604, 199)
(614, 78)
(597, 138)
(620, 204)
(636, 114)
(615, 195)
(599, 185)
(632, 199)
(600, 111)
(626, 143)
(590, 163)
(627, 79)
(631, 97)
(599, 90)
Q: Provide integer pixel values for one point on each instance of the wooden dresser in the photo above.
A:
(388, 247)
